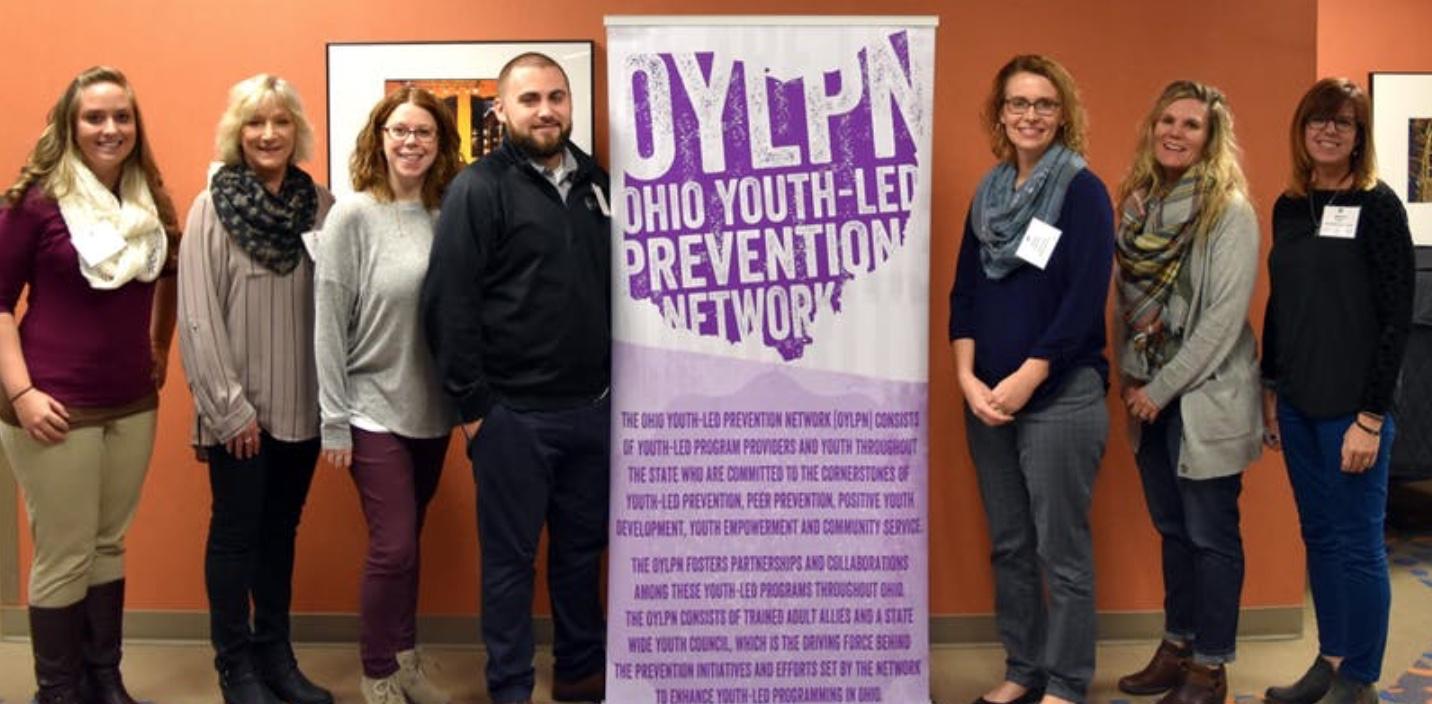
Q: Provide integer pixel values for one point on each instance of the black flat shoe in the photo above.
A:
(1030, 696)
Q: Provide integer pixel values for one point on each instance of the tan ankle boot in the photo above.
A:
(414, 681)
(383, 691)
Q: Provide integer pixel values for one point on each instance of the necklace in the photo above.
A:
(1312, 212)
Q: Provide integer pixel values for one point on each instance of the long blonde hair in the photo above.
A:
(49, 164)
(1220, 176)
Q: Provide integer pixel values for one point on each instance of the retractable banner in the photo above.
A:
(771, 208)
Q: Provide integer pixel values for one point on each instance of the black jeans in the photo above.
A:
(257, 504)
(535, 467)
(1202, 545)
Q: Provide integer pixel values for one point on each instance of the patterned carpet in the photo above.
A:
(1410, 554)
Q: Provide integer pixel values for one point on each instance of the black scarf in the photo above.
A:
(266, 226)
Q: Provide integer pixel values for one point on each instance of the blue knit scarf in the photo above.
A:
(1001, 213)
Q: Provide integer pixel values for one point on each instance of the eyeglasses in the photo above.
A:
(401, 133)
(1340, 124)
(1043, 107)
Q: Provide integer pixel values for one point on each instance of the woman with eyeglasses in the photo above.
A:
(1187, 255)
(246, 333)
(1338, 317)
(1027, 328)
(88, 234)
(385, 418)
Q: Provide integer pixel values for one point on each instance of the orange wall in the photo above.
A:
(1355, 37)
(182, 57)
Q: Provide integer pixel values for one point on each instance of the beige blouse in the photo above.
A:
(245, 334)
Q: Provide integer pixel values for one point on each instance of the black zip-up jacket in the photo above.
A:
(517, 299)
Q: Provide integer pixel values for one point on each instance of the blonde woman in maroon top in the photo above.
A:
(89, 230)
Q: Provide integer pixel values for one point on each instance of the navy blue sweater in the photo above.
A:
(1056, 314)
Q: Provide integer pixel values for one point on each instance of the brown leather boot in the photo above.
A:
(591, 688)
(1200, 685)
(56, 637)
(104, 631)
(1164, 671)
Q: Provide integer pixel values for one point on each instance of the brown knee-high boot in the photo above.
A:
(104, 611)
(57, 639)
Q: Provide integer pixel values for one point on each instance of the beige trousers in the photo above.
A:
(81, 495)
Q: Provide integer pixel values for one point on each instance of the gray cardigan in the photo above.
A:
(1215, 370)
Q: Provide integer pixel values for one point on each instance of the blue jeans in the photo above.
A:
(1202, 546)
(1342, 517)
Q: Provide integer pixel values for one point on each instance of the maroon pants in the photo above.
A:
(396, 477)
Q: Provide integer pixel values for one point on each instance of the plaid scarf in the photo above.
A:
(266, 226)
(1153, 243)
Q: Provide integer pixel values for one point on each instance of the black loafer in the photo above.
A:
(1030, 696)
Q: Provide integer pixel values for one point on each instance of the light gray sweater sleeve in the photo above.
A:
(1232, 268)
(340, 252)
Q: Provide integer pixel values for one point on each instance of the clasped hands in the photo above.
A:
(997, 406)
(1140, 406)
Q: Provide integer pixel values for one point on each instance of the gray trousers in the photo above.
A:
(1036, 478)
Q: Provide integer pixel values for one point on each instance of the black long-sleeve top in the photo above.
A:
(1340, 310)
(516, 303)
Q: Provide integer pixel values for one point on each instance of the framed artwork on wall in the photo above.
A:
(461, 74)
(1402, 131)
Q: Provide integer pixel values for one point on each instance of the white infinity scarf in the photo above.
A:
(91, 211)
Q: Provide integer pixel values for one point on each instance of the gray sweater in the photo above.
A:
(373, 360)
(1214, 372)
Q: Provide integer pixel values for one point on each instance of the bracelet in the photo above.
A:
(1370, 414)
(1367, 429)
(23, 391)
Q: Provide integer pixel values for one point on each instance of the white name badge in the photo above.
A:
(602, 203)
(1340, 221)
(1038, 243)
(98, 244)
(310, 243)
